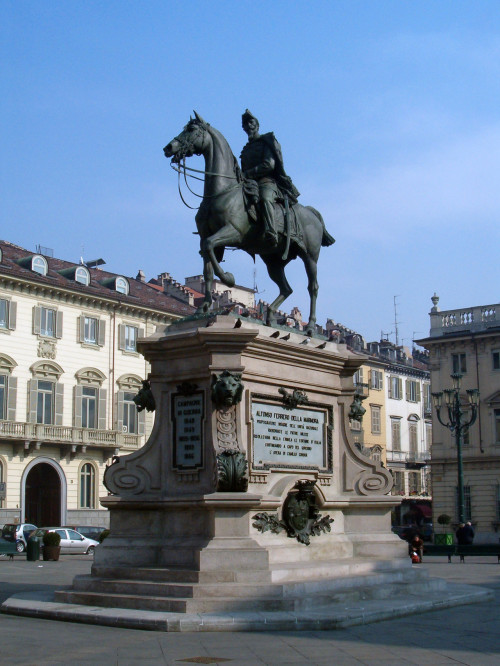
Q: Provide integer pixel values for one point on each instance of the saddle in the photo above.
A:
(251, 198)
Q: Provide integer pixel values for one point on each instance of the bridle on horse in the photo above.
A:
(183, 169)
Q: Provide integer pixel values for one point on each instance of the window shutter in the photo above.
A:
(11, 398)
(407, 389)
(81, 329)
(102, 332)
(59, 324)
(121, 336)
(37, 315)
(400, 388)
(101, 413)
(59, 404)
(119, 410)
(141, 422)
(140, 333)
(418, 391)
(389, 387)
(77, 408)
(32, 399)
(380, 382)
(12, 305)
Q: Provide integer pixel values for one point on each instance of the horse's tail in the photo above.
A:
(326, 240)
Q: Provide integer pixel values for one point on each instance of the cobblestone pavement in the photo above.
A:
(462, 635)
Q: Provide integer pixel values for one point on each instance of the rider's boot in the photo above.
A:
(269, 232)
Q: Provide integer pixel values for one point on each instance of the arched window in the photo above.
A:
(121, 285)
(82, 275)
(39, 265)
(87, 486)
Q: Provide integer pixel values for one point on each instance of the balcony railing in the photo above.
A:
(470, 319)
(41, 432)
(405, 456)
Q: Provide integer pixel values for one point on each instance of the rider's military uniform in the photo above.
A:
(262, 161)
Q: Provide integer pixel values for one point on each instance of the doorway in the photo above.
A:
(43, 496)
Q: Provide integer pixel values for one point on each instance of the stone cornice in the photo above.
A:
(70, 297)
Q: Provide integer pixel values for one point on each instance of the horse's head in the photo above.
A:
(189, 142)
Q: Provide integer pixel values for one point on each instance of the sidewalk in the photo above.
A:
(461, 635)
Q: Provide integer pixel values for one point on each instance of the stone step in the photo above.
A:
(327, 569)
(175, 575)
(170, 604)
(177, 590)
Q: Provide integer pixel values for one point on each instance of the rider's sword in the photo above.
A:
(287, 227)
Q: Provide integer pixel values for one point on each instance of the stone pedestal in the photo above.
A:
(184, 534)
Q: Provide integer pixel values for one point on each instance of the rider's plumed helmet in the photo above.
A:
(247, 116)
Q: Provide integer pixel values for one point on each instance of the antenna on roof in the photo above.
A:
(94, 263)
(45, 251)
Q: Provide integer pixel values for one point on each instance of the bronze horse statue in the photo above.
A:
(223, 220)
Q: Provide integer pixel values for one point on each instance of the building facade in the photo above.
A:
(467, 341)
(69, 370)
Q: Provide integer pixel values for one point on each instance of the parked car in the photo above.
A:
(19, 533)
(89, 531)
(72, 542)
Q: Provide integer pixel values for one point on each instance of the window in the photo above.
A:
(427, 398)
(375, 411)
(92, 331)
(129, 413)
(45, 402)
(82, 275)
(87, 486)
(39, 265)
(414, 483)
(395, 388)
(46, 394)
(399, 483)
(496, 415)
(458, 363)
(7, 314)
(3, 398)
(428, 436)
(495, 359)
(358, 376)
(413, 435)
(90, 399)
(47, 322)
(412, 390)
(89, 407)
(90, 327)
(396, 434)
(129, 420)
(376, 454)
(8, 389)
(131, 338)
(121, 285)
(376, 380)
(467, 503)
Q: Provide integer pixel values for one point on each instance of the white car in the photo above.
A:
(72, 542)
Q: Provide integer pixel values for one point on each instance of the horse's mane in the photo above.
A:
(222, 139)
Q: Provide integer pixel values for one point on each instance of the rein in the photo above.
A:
(183, 169)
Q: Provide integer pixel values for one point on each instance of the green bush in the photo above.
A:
(51, 539)
(103, 535)
(444, 519)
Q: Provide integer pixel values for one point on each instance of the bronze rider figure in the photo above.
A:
(262, 161)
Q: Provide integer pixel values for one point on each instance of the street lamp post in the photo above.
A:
(457, 426)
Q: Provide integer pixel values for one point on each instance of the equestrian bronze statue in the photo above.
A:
(231, 212)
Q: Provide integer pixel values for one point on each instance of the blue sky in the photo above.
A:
(387, 113)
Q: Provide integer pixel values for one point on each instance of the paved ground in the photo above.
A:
(463, 635)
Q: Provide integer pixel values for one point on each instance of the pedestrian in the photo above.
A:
(465, 534)
(417, 546)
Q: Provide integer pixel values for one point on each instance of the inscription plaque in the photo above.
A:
(288, 437)
(187, 416)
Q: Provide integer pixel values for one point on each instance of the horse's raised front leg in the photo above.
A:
(276, 270)
(208, 277)
(228, 235)
(311, 267)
